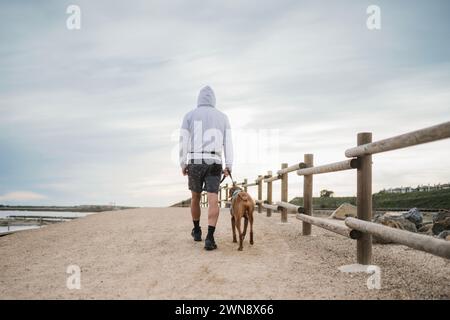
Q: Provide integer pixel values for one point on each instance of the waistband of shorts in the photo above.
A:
(204, 161)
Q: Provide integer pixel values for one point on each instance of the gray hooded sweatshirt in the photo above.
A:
(204, 130)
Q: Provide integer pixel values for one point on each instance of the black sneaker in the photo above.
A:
(210, 244)
(197, 234)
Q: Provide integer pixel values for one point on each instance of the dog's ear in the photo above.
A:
(231, 191)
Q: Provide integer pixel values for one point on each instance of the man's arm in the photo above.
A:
(184, 143)
(228, 145)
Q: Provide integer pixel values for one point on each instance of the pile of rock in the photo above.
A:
(441, 224)
(412, 221)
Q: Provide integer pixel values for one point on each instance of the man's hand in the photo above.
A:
(226, 172)
(184, 171)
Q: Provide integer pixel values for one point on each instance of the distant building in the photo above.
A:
(419, 188)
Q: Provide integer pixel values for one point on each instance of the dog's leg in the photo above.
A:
(238, 227)
(233, 226)
(245, 227)
(250, 218)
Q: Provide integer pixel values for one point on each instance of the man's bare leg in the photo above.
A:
(213, 209)
(195, 212)
(213, 215)
(195, 206)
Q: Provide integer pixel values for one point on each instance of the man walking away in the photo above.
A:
(205, 133)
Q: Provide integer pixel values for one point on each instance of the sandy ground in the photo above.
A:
(149, 254)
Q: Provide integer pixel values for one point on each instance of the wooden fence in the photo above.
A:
(360, 159)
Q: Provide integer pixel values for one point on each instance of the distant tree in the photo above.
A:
(326, 193)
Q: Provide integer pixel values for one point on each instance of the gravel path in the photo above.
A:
(149, 254)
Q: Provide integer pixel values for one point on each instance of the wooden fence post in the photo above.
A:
(260, 182)
(308, 159)
(284, 192)
(269, 193)
(220, 197)
(364, 200)
(245, 185)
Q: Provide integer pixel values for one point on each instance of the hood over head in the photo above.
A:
(206, 97)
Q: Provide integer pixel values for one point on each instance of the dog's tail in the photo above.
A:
(243, 196)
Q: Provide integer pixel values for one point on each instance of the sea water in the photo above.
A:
(57, 214)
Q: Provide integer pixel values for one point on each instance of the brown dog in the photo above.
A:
(242, 206)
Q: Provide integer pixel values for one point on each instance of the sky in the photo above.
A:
(91, 115)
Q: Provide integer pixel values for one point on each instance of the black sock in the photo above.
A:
(210, 234)
(196, 225)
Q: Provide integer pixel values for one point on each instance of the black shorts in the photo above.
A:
(204, 177)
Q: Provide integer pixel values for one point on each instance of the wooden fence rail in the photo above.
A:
(331, 226)
(362, 228)
(417, 241)
(294, 167)
(332, 167)
(434, 133)
(291, 208)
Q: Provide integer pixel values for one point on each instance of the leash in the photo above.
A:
(231, 177)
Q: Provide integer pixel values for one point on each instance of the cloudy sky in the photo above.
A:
(90, 116)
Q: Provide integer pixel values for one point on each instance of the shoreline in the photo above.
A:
(87, 208)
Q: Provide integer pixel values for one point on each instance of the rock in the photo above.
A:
(394, 220)
(426, 228)
(441, 215)
(345, 210)
(444, 235)
(402, 224)
(441, 222)
(415, 216)
(441, 225)
(394, 214)
(389, 215)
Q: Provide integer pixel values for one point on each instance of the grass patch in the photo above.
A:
(438, 199)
